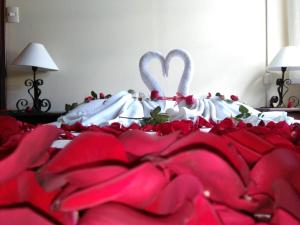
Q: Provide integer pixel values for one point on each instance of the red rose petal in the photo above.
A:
(248, 154)
(30, 150)
(25, 189)
(214, 143)
(232, 217)
(203, 213)
(134, 188)
(283, 218)
(219, 180)
(251, 141)
(88, 148)
(279, 141)
(177, 193)
(139, 143)
(117, 214)
(276, 165)
(8, 126)
(83, 177)
(18, 215)
(287, 198)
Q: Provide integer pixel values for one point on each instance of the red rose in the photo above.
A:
(290, 104)
(190, 100)
(234, 97)
(155, 95)
(101, 95)
(88, 98)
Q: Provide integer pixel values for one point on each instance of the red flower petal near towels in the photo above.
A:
(150, 144)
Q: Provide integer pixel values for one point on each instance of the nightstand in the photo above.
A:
(293, 112)
(34, 117)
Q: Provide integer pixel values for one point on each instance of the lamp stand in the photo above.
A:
(39, 105)
(282, 89)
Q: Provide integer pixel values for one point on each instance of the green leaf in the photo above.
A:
(246, 115)
(239, 116)
(243, 109)
(74, 105)
(69, 107)
(130, 91)
(155, 111)
(94, 94)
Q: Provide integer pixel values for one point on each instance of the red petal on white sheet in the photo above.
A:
(83, 178)
(219, 179)
(25, 189)
(140, 143)
(283, 218)
(251, 140)
(22, 215)
(30, 150)
(231, 217)
(85, 150)
(135, 188)
(183, 189)
(287, 198)
(213, 143)
(117, 214)
(276, 165)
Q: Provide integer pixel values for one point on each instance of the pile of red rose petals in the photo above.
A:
(235, 175)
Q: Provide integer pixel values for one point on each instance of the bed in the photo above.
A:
(194, 169)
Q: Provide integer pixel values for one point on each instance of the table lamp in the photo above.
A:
(287, 59)
(35, 55)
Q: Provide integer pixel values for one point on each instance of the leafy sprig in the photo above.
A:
(156, 117)
(244, 113)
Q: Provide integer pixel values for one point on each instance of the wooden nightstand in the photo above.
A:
(293, 112)
(34, 117)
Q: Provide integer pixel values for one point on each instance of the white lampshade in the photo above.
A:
(35, 54)
(288, 57)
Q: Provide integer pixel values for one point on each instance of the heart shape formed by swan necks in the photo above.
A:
(148, 78)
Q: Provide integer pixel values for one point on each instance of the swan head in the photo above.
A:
(176, 53)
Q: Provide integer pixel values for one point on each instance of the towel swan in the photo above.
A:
(187, 74)
(186, 77)
(146, 76)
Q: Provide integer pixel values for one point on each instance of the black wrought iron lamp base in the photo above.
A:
(39, 105)
(282, 89)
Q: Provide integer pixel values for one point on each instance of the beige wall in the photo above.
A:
(97, 45)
